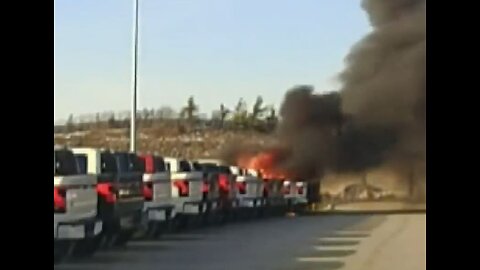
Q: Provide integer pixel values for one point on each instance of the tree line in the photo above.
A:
(260, 117)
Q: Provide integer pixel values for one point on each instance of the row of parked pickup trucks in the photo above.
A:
(103, 199)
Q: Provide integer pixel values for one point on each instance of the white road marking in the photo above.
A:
(319, 259)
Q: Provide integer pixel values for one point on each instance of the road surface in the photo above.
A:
(352, 242)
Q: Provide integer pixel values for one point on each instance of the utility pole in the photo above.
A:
(133, 118)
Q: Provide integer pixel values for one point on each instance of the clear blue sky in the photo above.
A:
(215, 50)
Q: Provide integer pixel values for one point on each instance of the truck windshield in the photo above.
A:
(121, 160)
(224, 169)
(208, 167)
(159, 164)
(184, 166)
(108, 164)
(197, 166)
(65, 163)
(135, 164)
(82, 163)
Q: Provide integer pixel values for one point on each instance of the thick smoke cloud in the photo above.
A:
(384, 83)
(309, 127)
(377, 119)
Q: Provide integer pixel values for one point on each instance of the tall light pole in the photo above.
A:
(133, 117)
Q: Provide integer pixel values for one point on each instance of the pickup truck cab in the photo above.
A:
(186, 191)
(74, 205)
(157, 192)
(119, 191)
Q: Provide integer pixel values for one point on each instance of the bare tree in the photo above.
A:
(97, 120)
(240, 115)
(258, 112)
(272, 118)
(224, 112)
(165, 112)
(70, 123)
(112, 122)
(190, 111)
(146, 118)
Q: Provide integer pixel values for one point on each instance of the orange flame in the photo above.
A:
(264, 162)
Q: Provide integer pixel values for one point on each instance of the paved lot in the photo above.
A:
(357, 242)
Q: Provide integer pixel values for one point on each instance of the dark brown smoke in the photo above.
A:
(377, 119)
(309, 127)
(384, 84)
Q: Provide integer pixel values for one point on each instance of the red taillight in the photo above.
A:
(286, 189)
(148, 191)
(183, 187)
(300, 190)
(205, 187)
(107, 192)
(242, 187)
(223, 182)
(59, 200)
(148, 161)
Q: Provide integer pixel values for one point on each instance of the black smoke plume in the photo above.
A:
(377, 118)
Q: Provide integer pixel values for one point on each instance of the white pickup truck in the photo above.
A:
(295, 192)
(74, 205)
(119, 192)
(186, 192)
(157, 191)
(249, 190)
(276, 203)
(223, 189)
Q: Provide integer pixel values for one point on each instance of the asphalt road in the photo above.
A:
(360, 242)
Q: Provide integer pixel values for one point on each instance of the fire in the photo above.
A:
(264, 162)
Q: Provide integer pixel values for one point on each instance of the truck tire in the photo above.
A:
(62, 250)
(180, 223)
(107, 240)
(164, 226)
(86, 248)
(152, 230)
(123, 237)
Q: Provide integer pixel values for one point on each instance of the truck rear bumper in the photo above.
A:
(159, 212)
(193, 207)
(300, 201)
(277, 201)
(224, 204)
(79, 229)
(250, 202)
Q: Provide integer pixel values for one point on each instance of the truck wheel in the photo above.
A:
(86, 248)
(161, 229)
(152, 230)
(123, 238)
(107, 241)
(180, 223)
(163, 226)
(62, 250)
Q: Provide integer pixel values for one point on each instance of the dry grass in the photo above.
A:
(167, 142)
